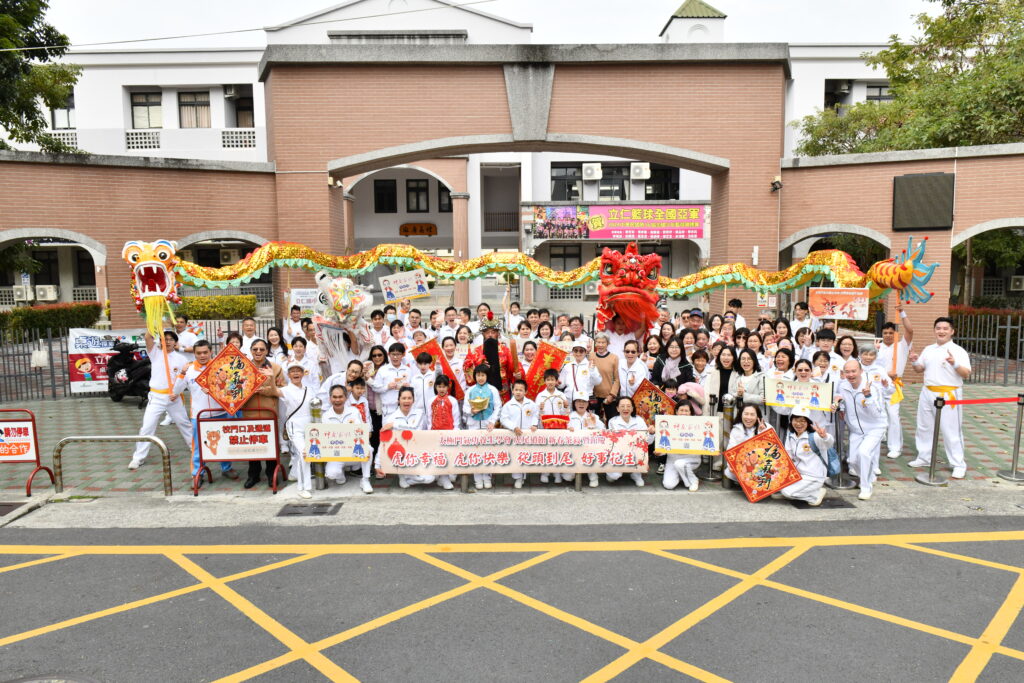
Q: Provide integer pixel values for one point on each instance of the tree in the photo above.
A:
(961, 82)
(29, 76)
(18, 259)
(1002, 248)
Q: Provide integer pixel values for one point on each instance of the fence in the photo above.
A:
(996, 346)
(33, 365)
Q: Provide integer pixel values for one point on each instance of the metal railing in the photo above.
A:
(501, 221)
(58, 450)
(33, 365)
(996, 347)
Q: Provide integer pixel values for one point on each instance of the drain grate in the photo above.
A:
(830, 503)
(9, 507)
(309, 509)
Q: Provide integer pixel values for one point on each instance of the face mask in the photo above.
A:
(392, 317)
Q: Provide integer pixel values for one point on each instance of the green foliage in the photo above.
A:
(54, 317)
(228, 307)
(17, 258)
(961, 82)
(28, 76)
(864, 250)
(997, 304)
(1000, 248)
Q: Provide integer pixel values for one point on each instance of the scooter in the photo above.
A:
(128, 373)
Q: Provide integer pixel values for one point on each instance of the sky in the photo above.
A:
(554, 21)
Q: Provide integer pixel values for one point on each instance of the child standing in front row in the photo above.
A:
(580, 418)
(519, 414)
(554, 413)
(444, 415)
(484, 414)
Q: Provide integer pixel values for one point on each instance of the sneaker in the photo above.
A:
(166, 421)
(877, 471)
(893, 454)
(695, 485)
(959, 472)
(638, 478)
(853, 472)
(594, 481)
(487, 483)
(230, 474)
(865, 494)
(661, 468)
(570, 478)
(365, 485)
(446, 484)
(135, 464)
(817, 501)
(305, 494)
(292, 477)
(918, 462)
(543, 478)
(518, 483)
(403, 482)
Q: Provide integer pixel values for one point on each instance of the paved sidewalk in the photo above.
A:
(102, 469)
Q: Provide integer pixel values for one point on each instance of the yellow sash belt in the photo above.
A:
(897, 393)
(948, 393)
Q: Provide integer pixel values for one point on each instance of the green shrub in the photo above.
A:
(1014, 304)
(5, 320)
(54, 317)
(227, 307)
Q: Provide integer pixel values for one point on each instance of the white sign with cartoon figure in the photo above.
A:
(411, 284)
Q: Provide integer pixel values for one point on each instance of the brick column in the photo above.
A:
(460, 241)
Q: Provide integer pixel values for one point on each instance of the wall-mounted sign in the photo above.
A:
(620, 221)
(417, 229)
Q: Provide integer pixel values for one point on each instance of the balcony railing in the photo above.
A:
(141, 139)
(68, 137)
(501, 221)
(83, 294)
(6, 296)
(234, 138)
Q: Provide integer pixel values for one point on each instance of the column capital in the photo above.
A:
(348, 196)
(460, 195)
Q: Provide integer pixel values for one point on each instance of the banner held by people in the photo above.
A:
(784, 393)
(762, 466)
(498, 451)
(330, 442)
(651, 401)
(434, 349)
(411, 284)
(231, 379)
(687, 435)
(839, 303)
(548, 357)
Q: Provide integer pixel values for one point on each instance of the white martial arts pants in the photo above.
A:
(156, 407)
(615, 476)
(680, 468)
(479, 479)
(951, 427)
(336, 470)
(806, 489)
(894, 437)
(413, 479)
(863, 454)
(300, 469)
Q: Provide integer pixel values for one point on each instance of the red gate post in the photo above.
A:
(6, 445)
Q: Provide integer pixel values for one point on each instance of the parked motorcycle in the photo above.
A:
(127, 373)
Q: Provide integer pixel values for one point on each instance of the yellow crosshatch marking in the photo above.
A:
(981, 648)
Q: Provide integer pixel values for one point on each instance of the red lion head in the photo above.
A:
(627, 288)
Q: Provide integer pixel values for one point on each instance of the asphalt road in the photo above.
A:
(873, 600)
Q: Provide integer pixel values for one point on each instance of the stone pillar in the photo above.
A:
(525, 195)
(460, 242)
(474, 225)
(350, 223)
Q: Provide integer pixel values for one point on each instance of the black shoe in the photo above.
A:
(250, 482)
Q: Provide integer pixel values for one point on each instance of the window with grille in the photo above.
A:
(566, 183)
(878, 93)
(565, 256)
(49, 272)
(613, 183)
(444, 199)
(194, 109)
(63, 118)
(385, 196)
(146, 111)
(244, 113)
(85, 273)
(416, 198)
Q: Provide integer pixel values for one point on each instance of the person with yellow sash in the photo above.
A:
(893, 351)
(161, 399)
(945, 365)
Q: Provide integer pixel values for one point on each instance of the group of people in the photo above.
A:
(702, 363)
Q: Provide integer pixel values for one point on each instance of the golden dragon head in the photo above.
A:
(152, 265)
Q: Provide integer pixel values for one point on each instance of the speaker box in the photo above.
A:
(923, 201)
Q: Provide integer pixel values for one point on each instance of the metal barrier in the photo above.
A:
(706, 471)
(10, 445)
(844, 480)
(1013, 474)
(58, 468)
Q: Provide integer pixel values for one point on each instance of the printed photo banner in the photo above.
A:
(762, 466)
(618, 221)
(231, 440)
(784, 393)
(839, 303)
(434, 349)
(90, 350)
(687, 435)
(305, 299)
(231, 379)
(411, 284)
(478, 451)
(548, 357)
(331, 442)
(17, 441)
(651, 401)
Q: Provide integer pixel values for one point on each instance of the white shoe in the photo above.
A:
(135, 464)
(518, 483)
(569, 478)
(305, 494)
(694, 486)
(959, 472)
(594, 481)
(446, 484)
(777, 496)
(918, 462)
(291, 477)
(893, 454)
(544, 478)
(365, 485)
(865, 494)
(820, 497)
(487, 483)
(166, 421)
(853, 473)
(339, 480)
(877, 471)
(403, 482)
(638, 478)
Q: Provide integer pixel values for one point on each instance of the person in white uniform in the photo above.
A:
(751, 423)
(581, 418)
(390, 378)
(554, 414)
(292, 325)
(579, 375)
(520, 414)
(679, 466)
(422, 383)
(893, 356)
(296, 407)
(405, 416)
(443, 414)
(627, 420)
(864, 408)
(161, 398)
(807, 445)
(353, 410)
(632, 370)
(945, 365)
(478, 415)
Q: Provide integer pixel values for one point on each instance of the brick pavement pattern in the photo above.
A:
(103, 469)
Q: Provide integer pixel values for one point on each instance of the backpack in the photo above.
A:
(832, 466)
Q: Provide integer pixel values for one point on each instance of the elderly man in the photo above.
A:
(864, 407)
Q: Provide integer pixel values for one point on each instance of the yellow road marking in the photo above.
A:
(33, 563)
(143, 602)
(962, 558)
(977, 659)
(262, 619)
(666, 635)
(581, 546)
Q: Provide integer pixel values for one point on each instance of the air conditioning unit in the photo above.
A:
(231, 92)
(186, 255)
(1016, 284)
(640, 170)
(590, 289)
(229, 257)
(592, 171)
(23, 293)
(47, 292)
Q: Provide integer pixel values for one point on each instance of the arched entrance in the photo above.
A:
(216, 248)
(72, 268)
(995, 250)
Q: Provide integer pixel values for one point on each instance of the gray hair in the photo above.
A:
(602, 335)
